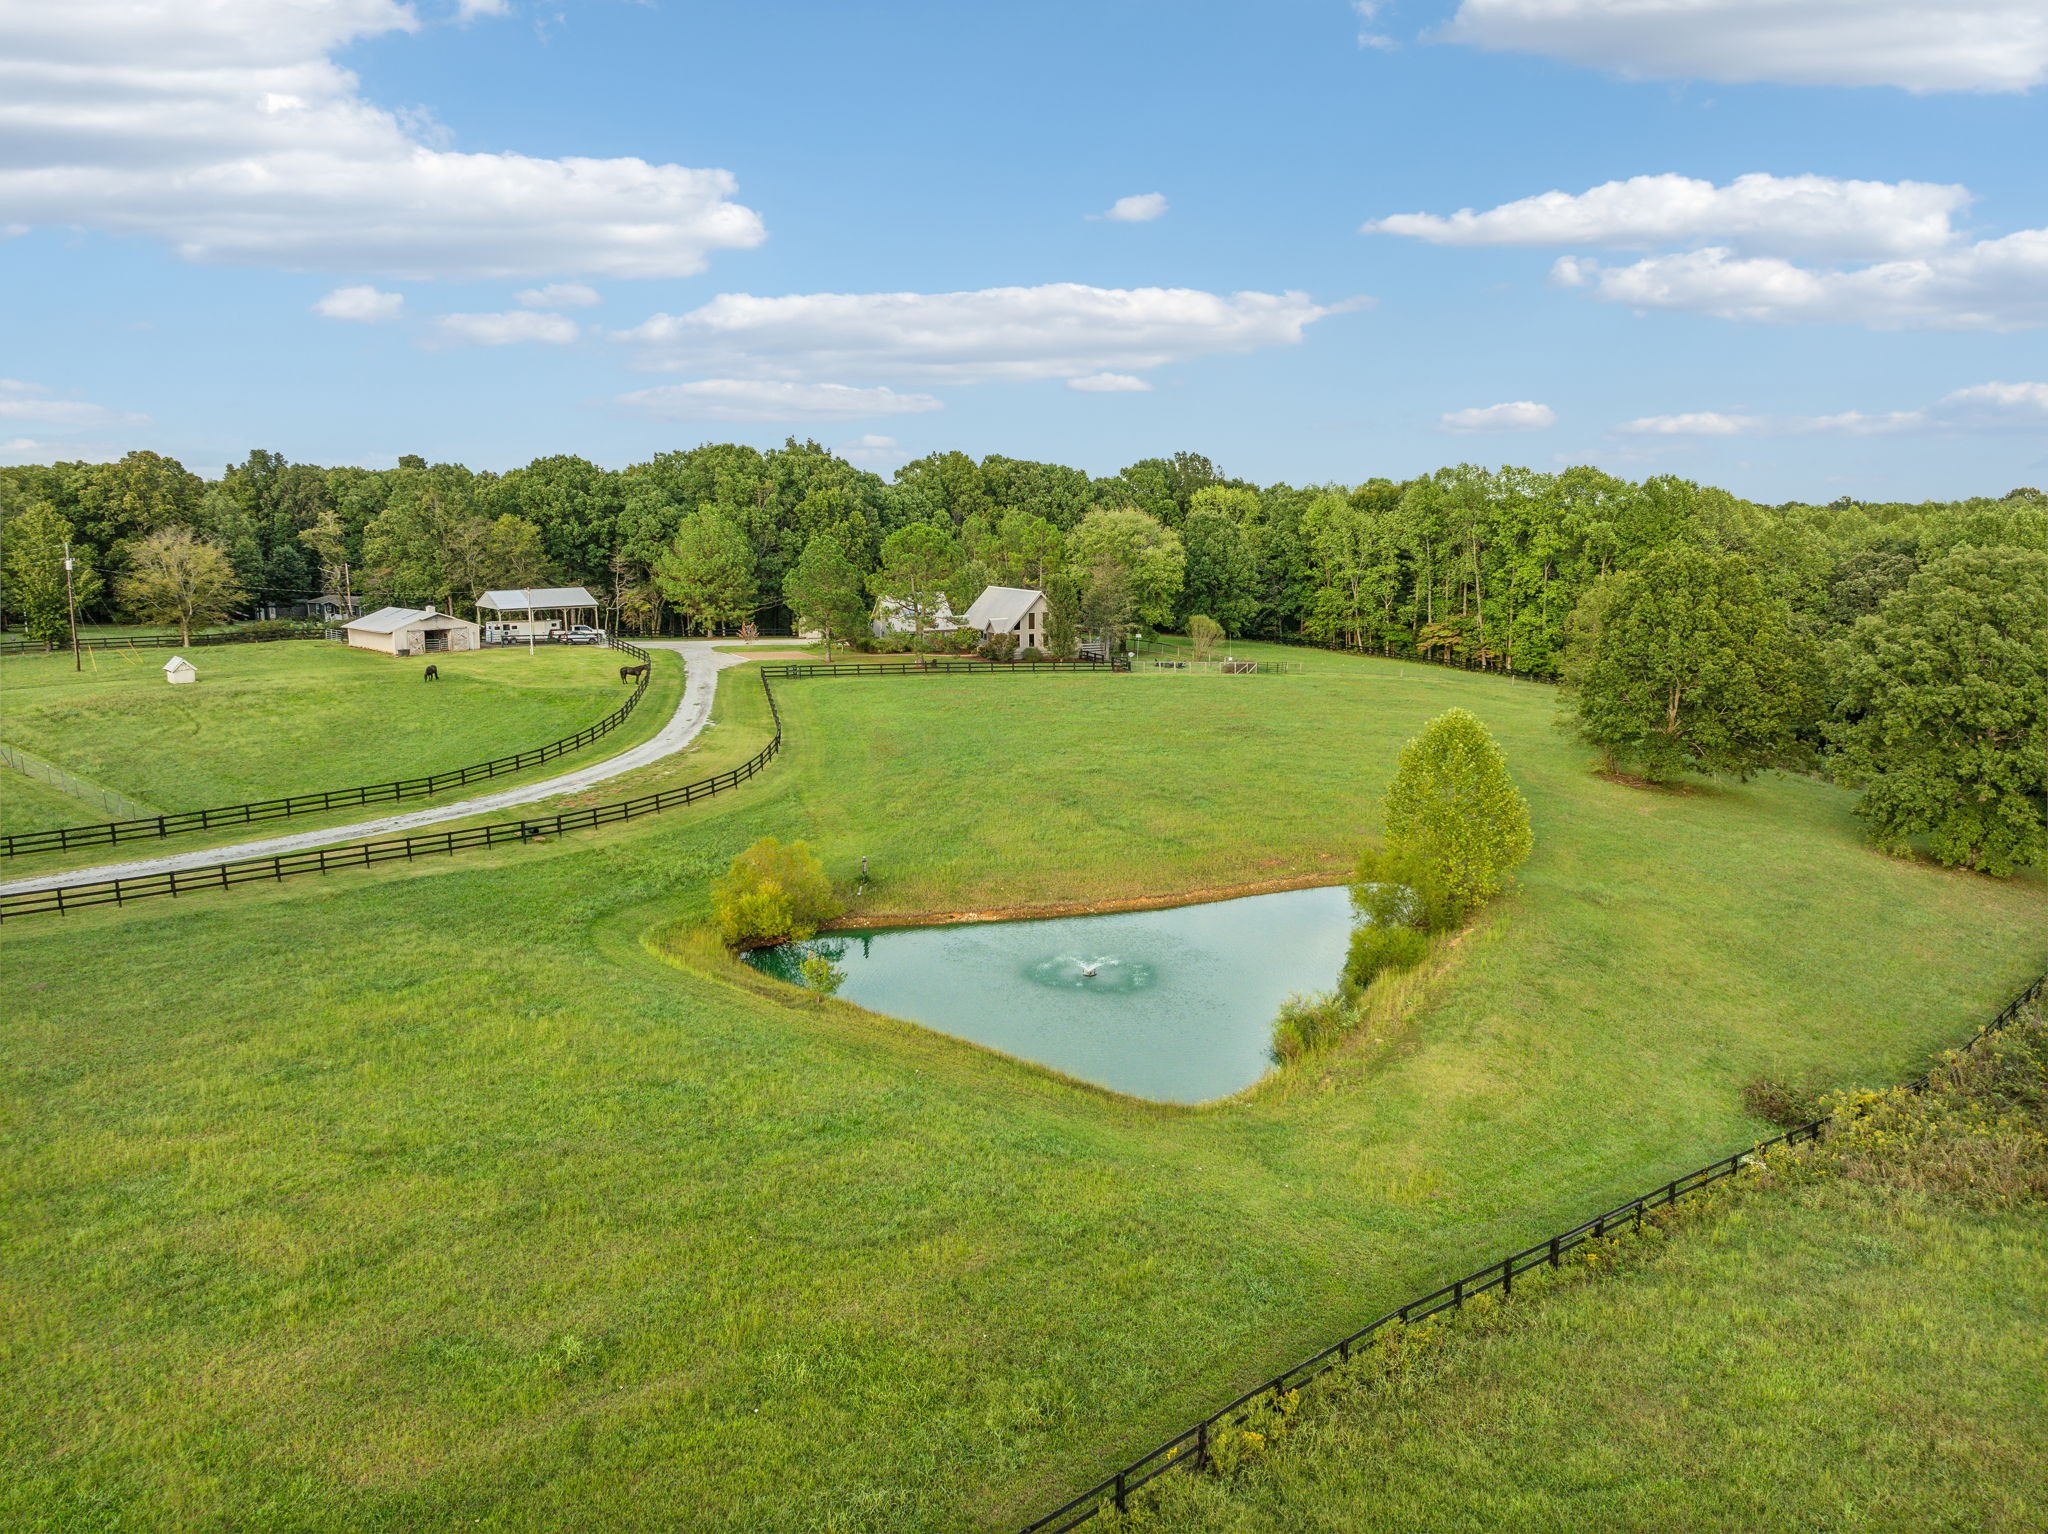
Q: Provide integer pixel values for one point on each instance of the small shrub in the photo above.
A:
(1031, 652)
(998, 647)
(1377, 950)
(1780, 1103)
(1307, 1023)
(1204, 634)
(772, 892)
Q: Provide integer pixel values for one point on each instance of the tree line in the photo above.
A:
(1696, 631)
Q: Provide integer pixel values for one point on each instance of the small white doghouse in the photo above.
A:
(178, 671)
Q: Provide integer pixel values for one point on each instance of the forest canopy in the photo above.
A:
(1557, 575)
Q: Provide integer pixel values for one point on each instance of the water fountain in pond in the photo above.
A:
(1108, 972)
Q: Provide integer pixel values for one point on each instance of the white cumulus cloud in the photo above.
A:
(1058, 330)
(1781, 215)
(225, 129)
(558, 295)
(1993, 285)
(1109, 383)
(505, 329)
(365, 305)
(30, 404)
(1981, 408)
(1918, 45)
(767, 399)
(1514, 415)
(1139, 208)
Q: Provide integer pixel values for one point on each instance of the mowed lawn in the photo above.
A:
(462, 1194)
(265, 720)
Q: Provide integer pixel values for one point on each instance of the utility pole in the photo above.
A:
(71, 608)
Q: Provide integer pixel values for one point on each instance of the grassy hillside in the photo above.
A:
(1853, 1345)
(272, 719)
(462, 1193)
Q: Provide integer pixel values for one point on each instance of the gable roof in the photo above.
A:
(1001, 607)
(536, 598)
(178, 660)
(386, 620)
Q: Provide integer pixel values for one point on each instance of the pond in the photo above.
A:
(1174, 1005)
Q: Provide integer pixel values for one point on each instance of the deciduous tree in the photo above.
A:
(1683, 664)
(34, 542)
(1943, 710)
(174, 577)
(1456, 826)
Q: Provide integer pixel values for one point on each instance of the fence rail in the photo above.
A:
(157, 827)
(1340, 648)
(157, 641)
(1188, 1450)
(274, 869)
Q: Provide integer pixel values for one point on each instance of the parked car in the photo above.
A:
(582, 633)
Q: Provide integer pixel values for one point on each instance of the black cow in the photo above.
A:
(433, 673)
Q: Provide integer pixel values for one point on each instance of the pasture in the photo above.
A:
(273, 719)
(485, 1190)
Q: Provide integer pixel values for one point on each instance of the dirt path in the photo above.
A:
(701, 662)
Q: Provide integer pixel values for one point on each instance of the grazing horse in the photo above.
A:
(627, 673)
(433, 674)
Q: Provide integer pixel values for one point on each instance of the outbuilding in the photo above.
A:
(411, 631)
(538, 612)
(178, 671)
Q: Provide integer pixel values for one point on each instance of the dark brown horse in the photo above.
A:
(627, 673)
(433, 674)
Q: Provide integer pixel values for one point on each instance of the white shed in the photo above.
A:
(178, 671)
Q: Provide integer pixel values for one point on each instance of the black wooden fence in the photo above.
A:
(157, 827)
(1339, 647)
(287, 865)
(161, 641)
(1189, 1450)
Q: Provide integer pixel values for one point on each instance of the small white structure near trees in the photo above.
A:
(411, 631)
(1009, 610)
(179, 671)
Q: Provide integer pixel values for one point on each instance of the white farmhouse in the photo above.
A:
(894, 618)
(1009, 610)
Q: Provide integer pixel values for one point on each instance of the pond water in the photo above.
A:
(1174, 1005)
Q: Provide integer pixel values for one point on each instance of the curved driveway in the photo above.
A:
(701, 663)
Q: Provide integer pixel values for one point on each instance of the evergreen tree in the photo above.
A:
(1684, 664)
(823, 590)
(707, 572)
(1943, 710)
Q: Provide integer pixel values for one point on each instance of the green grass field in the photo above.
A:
(476, 1192)
(274, 719)
(1824, 1351)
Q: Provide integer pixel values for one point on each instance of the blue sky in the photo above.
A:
(1799, 248)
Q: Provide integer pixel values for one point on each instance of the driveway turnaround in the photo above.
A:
(701, 663)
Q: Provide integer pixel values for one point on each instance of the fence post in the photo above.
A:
(1554, 1258)
(1119, 1491)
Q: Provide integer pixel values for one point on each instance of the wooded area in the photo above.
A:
(1696, 631)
